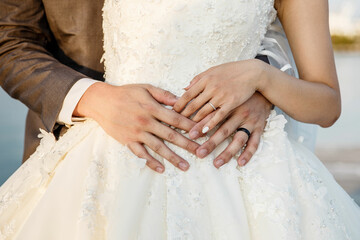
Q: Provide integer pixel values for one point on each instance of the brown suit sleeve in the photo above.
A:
(28, 72)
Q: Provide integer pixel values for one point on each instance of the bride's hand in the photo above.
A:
(224, 87)
(251, 115)
(133, 115)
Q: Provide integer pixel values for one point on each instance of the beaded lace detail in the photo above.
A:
(176, 40)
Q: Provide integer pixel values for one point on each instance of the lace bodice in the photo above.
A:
(166, 43)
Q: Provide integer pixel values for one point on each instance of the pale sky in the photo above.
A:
(345, 16)
(336, 5)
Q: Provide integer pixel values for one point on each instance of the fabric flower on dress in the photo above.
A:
(275, 124)
(47, 139)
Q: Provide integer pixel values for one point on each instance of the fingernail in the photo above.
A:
(203, 152)
(194, 134)
(182, 166)
(205, 129)
(159, 169)
(242, 162)
(219, 162)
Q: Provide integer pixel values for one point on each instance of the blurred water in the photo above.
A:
(12, 128)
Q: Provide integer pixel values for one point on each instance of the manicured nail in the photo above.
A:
(242, 162)
(205, 129)
(203, 152)
(219, 162)
(183, 166)
(194, 134)
(187, 86)
(159, 169)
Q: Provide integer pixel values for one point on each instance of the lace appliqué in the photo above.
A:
(283, 200)
(35, 174)
(174, 41)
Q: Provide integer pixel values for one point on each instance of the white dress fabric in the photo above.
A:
(87, 186)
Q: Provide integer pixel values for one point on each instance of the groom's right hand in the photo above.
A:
(133, 115)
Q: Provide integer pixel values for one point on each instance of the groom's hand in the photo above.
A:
(132, 114)
(251, 115)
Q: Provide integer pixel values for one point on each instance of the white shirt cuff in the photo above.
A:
(71, 100)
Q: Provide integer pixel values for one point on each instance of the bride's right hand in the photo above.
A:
(133, 115)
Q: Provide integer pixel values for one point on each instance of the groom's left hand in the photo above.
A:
(251, 115)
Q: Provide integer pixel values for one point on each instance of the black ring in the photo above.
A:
(244, 130)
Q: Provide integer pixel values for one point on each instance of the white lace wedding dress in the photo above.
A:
(88, 186)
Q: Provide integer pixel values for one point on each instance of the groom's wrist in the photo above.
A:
(72, 98)
(87, 104)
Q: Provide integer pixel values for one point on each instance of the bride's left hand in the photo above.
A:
(225, 86)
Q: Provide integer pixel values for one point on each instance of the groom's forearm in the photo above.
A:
(28, 72)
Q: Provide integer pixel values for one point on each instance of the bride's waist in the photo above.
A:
(173, 74)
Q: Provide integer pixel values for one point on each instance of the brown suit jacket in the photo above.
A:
(45, 47)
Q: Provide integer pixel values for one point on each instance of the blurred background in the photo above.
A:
(338, 147)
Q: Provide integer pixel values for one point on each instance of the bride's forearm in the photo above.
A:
(315, 97)
(305, 101)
